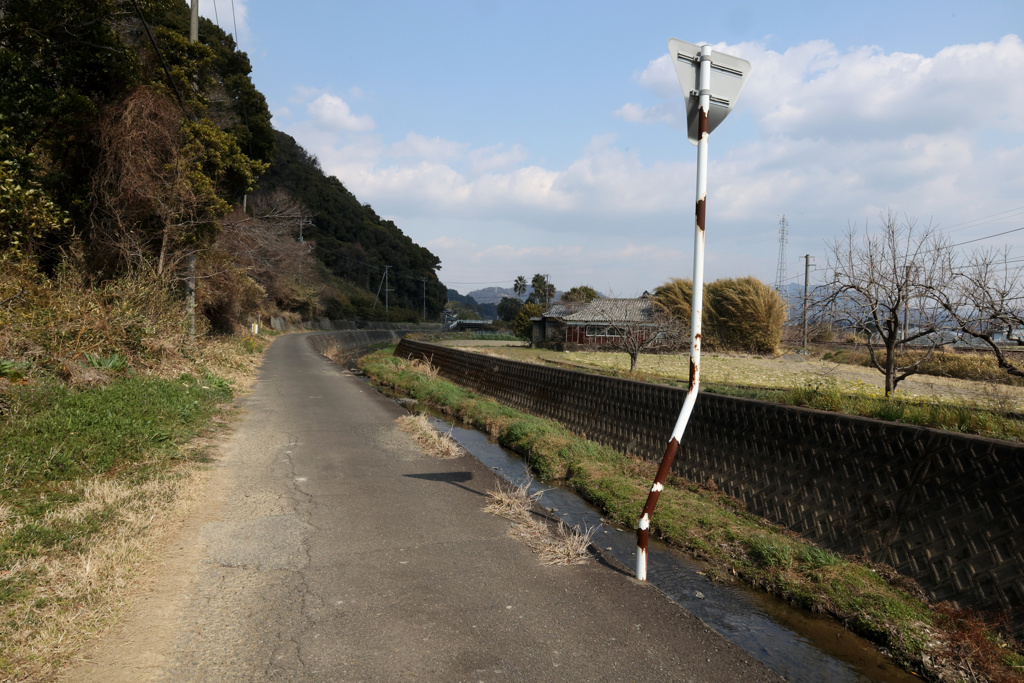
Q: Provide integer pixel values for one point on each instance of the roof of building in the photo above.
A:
(605, 310)
(561, 309)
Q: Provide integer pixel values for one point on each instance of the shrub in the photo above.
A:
(50, 321)
(523, 326)
(745, 314)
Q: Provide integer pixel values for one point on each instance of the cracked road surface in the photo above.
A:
(330, 548)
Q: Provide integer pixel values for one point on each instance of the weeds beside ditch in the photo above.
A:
(871, 600)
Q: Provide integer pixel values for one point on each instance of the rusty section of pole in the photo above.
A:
(643, 526)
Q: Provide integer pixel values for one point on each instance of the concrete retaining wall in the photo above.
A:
(354, 340)
(282, 324)
(943, 508)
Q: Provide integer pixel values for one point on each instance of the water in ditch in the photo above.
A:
(794, 643)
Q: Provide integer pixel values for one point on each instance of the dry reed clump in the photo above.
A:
(432, 441)
(87, 334)
(746, 314)
(562, 545)
(511, 501)
(741, 314)
(424, 367)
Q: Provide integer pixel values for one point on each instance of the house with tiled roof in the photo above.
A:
(595, 323)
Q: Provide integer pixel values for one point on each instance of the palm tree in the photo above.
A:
(520, 286)
(540, 289)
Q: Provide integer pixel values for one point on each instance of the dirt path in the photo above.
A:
(137, 647)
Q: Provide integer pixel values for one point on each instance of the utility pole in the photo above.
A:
(906, 309)
(387, 310)
(193, 36)
(424, 300)
(807, 277)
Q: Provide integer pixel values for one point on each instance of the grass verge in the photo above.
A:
(872, 600)
(92, 474)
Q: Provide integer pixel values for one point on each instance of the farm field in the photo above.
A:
(787, 371)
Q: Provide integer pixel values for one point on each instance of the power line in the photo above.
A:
(986, 237)
(984, 220)
(490, 282)
(163, 62)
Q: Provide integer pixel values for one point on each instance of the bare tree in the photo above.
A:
(150, 202)
(882, 285)
(637, 325)
(983, 295)
(267, 242)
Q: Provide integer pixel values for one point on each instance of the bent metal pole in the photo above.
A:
(643, 528)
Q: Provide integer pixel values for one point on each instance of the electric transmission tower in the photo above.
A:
(780, 271)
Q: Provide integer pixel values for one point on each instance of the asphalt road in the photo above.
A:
(337, 551)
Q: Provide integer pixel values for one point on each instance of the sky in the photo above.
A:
(513, 138)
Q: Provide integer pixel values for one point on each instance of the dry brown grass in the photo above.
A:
(432, 441)
(334, 354)
(73, 597)
(58, 597)
(54, 324)
(424, 367)
(784, 372)
(558, 545)
(510, 501)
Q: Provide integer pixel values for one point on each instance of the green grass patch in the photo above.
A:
(700, 519)
(58, 438)
(967, 419)
(63, 434)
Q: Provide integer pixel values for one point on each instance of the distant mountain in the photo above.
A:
(492, 295)
(486, 310)
(467, 299)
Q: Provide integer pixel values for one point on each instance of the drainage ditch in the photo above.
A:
(797, 645)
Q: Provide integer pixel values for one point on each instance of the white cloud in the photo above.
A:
(813, 90)
(430, 149)
(637, 113)
(333, 113)
(496, 158)
(843, 135)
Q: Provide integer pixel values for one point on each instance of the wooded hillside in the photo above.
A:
(351, 239)
(126, 148)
